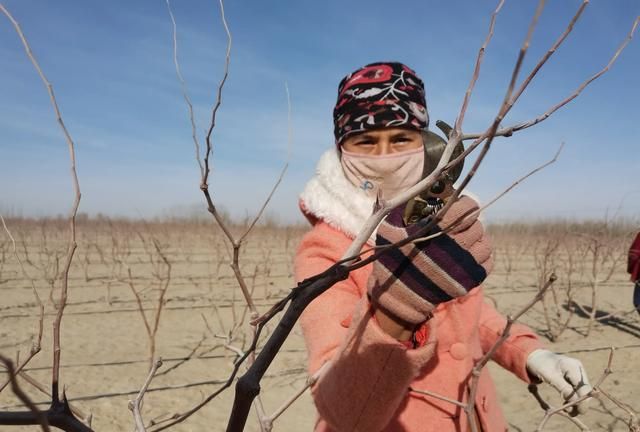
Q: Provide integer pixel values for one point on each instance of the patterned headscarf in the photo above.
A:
(379, 95)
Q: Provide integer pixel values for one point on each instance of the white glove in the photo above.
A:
(565, 374)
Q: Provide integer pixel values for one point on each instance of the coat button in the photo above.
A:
(459, 351)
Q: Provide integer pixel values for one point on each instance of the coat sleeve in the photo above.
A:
(369, 372)
(512, 354)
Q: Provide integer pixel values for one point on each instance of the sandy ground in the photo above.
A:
(105, 347)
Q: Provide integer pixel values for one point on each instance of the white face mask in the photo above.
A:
(387, 175)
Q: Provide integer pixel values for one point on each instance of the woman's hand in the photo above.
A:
(565, 374)
(407, 283)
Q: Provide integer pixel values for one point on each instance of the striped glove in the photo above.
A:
(410, 281)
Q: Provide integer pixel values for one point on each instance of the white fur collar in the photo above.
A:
(329, 196)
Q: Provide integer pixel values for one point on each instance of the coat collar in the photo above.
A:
(330, 197)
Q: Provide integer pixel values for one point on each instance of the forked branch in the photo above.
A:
(72, 245)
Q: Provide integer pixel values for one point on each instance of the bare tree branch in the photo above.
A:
(185, 94)
(476, 71)
(477, 369)
(508, 131)
(550, 411)
(204, 185)
(282, 172)
(62, 301)
(37, 345)
(135, 405)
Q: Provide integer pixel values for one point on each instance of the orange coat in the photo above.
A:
(367, 386)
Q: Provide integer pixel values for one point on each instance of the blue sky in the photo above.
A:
(112, 69)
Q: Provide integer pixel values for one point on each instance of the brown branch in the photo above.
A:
(438, 396)
(183, 360)
(35, 347)
(634, 424)
(178, 418)
(508, 131)
(596, 349)
(204, 356)
(264, 422)
(476, 71)
(490, 134)
(475, 213)
(154, 389)
(165, 281)
(185, 94)
(477, 369)
(509, 100)
(267, 422)
(205, 185)
(550, 52)
(550, 411)
(282, 172)
(135, 405)
(533, 389)
(60, 305)
(521, 179)
(205, 173)
(139, 302)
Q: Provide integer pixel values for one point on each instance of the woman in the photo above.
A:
(415, 320)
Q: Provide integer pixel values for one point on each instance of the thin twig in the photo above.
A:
(509, 100)
(310, 382)
(214, 111)
(477, 368)
(236, 367)
(482, 208)
(634, 424)
(550, 52)
(508, 131)
(533, 389)
(550, 411)
(165, 281)
(437, 396)
(185, 94)
(135, 405)
(476, 71)
(183, 360)
(37, 345)
(282, 172)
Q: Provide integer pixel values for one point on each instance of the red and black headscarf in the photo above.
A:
(379, 95)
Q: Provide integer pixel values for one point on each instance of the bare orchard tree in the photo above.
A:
(586, 256)
(257, 355)
(602, 252)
